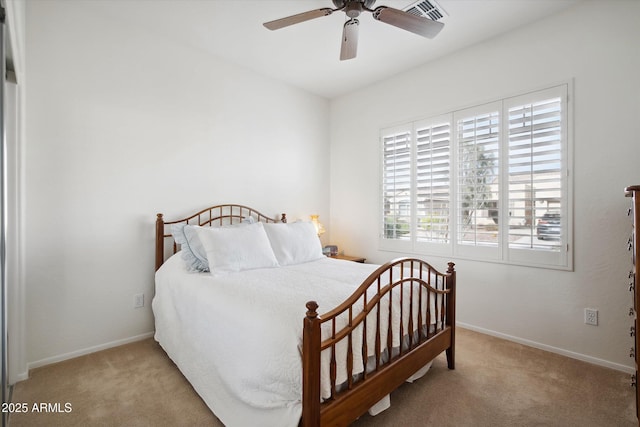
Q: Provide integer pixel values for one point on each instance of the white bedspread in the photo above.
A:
(237, 338)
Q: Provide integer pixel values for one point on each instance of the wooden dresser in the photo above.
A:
(633, 245)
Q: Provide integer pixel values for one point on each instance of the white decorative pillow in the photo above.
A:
(191, 248)
(294, 243)
(247, 220)
(231, 249)
(192, 251)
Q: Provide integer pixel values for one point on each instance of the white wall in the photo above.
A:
(536, 306)
(122, 125)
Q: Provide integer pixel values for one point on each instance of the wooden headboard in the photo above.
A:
(213, 216)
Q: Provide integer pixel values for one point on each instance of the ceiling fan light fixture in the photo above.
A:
(353, 9)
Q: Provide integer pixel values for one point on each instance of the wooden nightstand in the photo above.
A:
(350, 258)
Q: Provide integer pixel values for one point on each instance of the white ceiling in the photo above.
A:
(307, 54)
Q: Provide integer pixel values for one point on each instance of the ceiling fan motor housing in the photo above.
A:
(353, 4)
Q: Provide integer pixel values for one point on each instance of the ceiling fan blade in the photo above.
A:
(349, 47)
(296, 19)
(416, 24)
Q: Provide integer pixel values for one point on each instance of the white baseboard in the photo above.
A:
(89, 350)
(563, 352)
(21, 377)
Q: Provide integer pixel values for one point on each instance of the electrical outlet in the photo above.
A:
(138, 301)
(591, 316)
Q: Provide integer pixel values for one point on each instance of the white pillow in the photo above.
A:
(231, 249)
(193, 253)
(294, 243)
(191, 249)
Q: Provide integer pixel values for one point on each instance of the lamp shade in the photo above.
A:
(318, 225)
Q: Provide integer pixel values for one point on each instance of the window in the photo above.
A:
(488, 182)
(478, 160)
(433, 180)
(397, 184)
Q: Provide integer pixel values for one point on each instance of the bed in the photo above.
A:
(275, 333)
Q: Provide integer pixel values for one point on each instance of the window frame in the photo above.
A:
(560, 259)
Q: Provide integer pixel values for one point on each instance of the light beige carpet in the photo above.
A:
(495, 383)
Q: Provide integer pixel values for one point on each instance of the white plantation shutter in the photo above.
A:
(478, 161)
(397, 184)
(535, 164)
(485, 183)
(537, 171)
(433, 181)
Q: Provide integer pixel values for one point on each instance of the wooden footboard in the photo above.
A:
(420, 297)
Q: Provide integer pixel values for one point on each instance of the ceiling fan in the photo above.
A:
(352, 8)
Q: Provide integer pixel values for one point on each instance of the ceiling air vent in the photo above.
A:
(427, 8)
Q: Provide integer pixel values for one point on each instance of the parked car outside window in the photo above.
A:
(548, 226)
